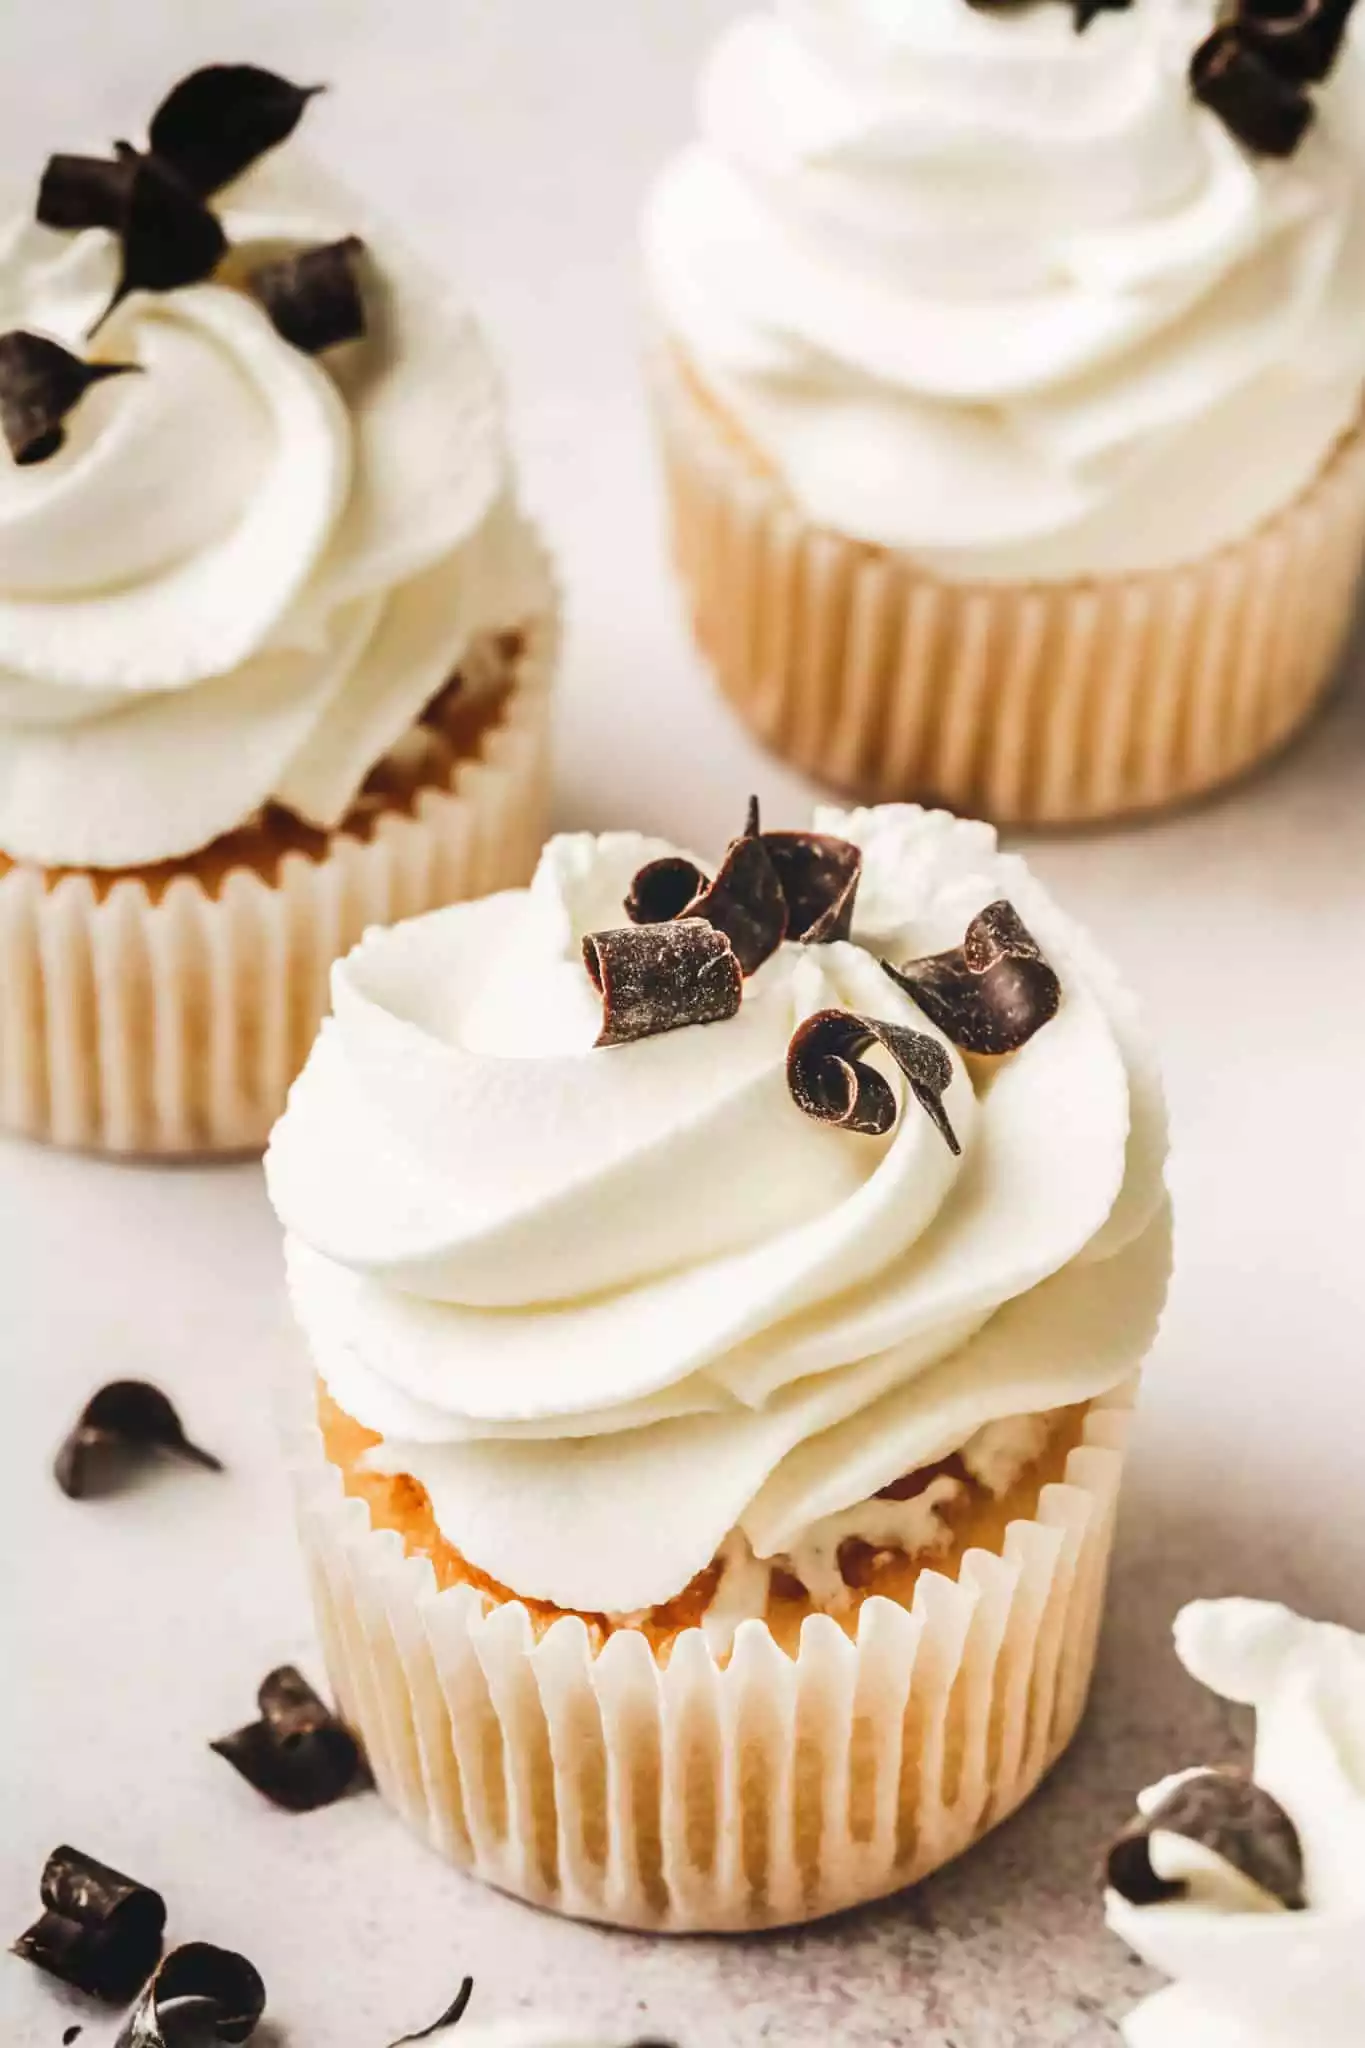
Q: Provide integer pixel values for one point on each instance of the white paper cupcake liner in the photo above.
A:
(1041, 703)
(681, 1795)
(173, 1022)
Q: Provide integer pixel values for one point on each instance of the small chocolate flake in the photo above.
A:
(214, 124)
(1224, 1812)
(85, 192)
(299, 1754)
(829, 1080)
(1267, 111)
(454, 2012)
(169, 236)
(1301, 38)
(664, 889)
(990, 994)
(313, 298)
(40, 383)
(71, 2034)
(662, 977)
(819, 878)
(118, 1427)
(99, 1930)
(200, 1995)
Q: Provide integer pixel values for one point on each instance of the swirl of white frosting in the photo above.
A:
(1007, 296)
(610, 1306)
(1249, 1976)
(248, 571)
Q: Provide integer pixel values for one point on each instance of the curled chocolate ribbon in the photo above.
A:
(200, 1995)
(1255, 69)
(99, 1930)
(662, 977)
(830, 1081)
(990, 994)
(299, 1754)
(40, 383)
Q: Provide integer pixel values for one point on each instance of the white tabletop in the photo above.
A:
(514, 139)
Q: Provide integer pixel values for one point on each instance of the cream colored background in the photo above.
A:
(513, 137)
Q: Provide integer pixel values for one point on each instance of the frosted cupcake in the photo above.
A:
(1250, 1889)
(721, 1347)
(275, 639)
(1009, 366)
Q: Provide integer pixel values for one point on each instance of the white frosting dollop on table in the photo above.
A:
(249, 570)
(1265, 1978)
(1007, 296)
(609, 1306)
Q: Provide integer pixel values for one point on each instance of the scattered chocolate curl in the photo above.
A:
(990, 994)
(118, 1428)
(40, 383)
(1224, 1812)
(214, 124)
(99, 1930)
(299, 1754)
(1264, 108)
(455, 2011)
(200, 1995)
(819, 878)
(662, 977)
(169, 236)
(313, 298)
(85, 192)
(829, 1080)
(1301, 38)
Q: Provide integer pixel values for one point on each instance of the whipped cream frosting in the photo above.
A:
(1007, 296)
(249, 570)
(1250, 1974)
(612, 1306)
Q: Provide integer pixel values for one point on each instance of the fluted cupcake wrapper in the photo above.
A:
(172, 1022)
(686, 1795)
(1040, 703)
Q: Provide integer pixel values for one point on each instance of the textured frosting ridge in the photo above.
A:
(1007, 296)
(249, 570)
(1264, 1978)
(611, 1306)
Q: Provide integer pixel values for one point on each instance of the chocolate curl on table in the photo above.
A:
(1224, 1812)
(299, 1755)
(123, 1425)
(99, 1930)
(830, 1081)
(990, 994)
(662, 977)
(454, 2012)
(313, 298)
(40, 383)
(201, 1995)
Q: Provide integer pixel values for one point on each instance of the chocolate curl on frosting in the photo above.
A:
(829, 1080)
(990, 994)
(662, 977)
(1084, 10)
(299, 1755)
(1224, 1812)
(99, 1930)
(214, 124)
(40, 383)
(1302, 39)
(169, 236)
(85, 191)
(200, 1995)
(456, 2010)
(665, 889)
(1264, 108)
(313, 298)
(123, 1425)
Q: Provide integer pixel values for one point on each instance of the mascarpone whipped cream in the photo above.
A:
(249, 570)
(1257, 1976)
(1006, 295)
(616, 1309)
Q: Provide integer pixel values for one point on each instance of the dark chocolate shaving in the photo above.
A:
(829, 1080)
(1225, 1813)
(1266, 109)
(746, 902)
(201, 1995)
(665, 889)
(40, 383)
(662, 977)
(454, 2012)
(990, 994)
(85, 192)
(819, 878)
(1302, 38)
(313, 298)
(71, 2034)
(299, 1754)
(99, 1930)
(215, 123)
(169, 236)
(118, 1428)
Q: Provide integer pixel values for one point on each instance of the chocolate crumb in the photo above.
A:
(299, 1754)
(99, 1930)
(214, 124)
(990, 994)
(200, 1995)
(662, 977)
(1226, 1813)
(313, 298)
(829, 1080)
(454, 2012)
(118, 1427)
(40, 383)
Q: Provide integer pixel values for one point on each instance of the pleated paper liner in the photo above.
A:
(676, 1792)
(166, 1012)
(1041, 704)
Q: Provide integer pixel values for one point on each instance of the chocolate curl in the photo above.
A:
(1266, 110)
(215, 123)
(118, 1428)
(313, 298)
(40, 383)
(819, 878)
(85, 192)
(299, 1755)
(1224, 1812)
(100, 1931)
(746, 902)
(1301, 39)
(662, 977)
(169, 236)
(665, 889)
(456, 2010)
(828, 1079)
(991, 994)
(1084, 10)
(200, 1995)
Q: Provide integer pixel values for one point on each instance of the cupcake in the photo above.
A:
(1249, 1889)
(1009, 364)
(275, 638)
(720, 1349)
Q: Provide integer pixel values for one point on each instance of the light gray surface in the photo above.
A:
(513, 136)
